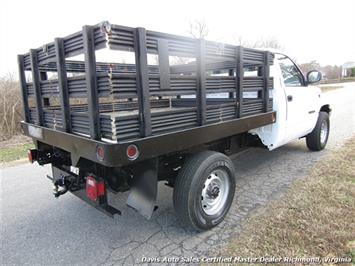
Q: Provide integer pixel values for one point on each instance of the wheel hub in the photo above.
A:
(215, 192)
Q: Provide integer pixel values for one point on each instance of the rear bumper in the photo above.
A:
(149, 147)
(100, 204)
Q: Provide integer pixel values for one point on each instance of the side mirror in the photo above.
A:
(314, 76)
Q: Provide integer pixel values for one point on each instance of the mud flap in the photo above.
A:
(143, 195)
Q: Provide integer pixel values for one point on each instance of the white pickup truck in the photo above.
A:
(301, 110)
(108, 127)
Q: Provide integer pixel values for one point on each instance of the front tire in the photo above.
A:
(204, 190)
(318, 138)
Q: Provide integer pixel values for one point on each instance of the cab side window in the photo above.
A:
(290, 73)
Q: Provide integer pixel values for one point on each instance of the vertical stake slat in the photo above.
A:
(164, 68)
(201, 82)
(239, 81)
(266, 81)
(63, 84)
(142, 82)
(36, 86)
(231, 74)
(23, 84)
(43, 77)
(91, 82)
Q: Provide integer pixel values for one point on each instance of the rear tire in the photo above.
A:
(318, 138)
(204, 190)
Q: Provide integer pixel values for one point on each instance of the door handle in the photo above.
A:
(289, 98)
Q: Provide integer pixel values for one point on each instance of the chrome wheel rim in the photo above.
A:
(215, 192)
(323, 132)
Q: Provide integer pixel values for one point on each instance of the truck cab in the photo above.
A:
(297, 102)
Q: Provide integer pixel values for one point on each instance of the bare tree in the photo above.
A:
(198, 29)
(330, 72)
(241, 41)
(270, 42)
(10, 107)
(306, 67)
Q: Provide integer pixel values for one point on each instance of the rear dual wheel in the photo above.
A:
(204, 190)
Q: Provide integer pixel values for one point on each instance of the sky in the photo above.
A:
(307, 30)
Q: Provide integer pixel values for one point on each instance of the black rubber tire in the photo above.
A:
(313, 139)
(189, 184)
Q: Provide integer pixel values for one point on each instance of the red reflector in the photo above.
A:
(94, 189)
(132, 152)
(29, 154)
(100, 153)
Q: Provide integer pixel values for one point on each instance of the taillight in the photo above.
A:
(132, 152)
(30, 158)
(100, 153)
(94, 189)
(32, 155)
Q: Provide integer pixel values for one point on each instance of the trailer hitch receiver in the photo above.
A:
(61, 182)
(64, 182)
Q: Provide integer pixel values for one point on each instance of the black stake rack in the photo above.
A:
(118, 102)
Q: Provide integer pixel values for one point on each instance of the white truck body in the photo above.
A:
(297, 105)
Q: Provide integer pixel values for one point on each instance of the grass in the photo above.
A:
(315, 218)
(8, 154)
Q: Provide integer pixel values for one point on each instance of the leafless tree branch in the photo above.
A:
(10, 107)
(198, 29)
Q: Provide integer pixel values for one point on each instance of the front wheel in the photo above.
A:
(318, 138)
(204, 190)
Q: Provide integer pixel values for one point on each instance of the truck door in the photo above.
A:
(301, 100)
